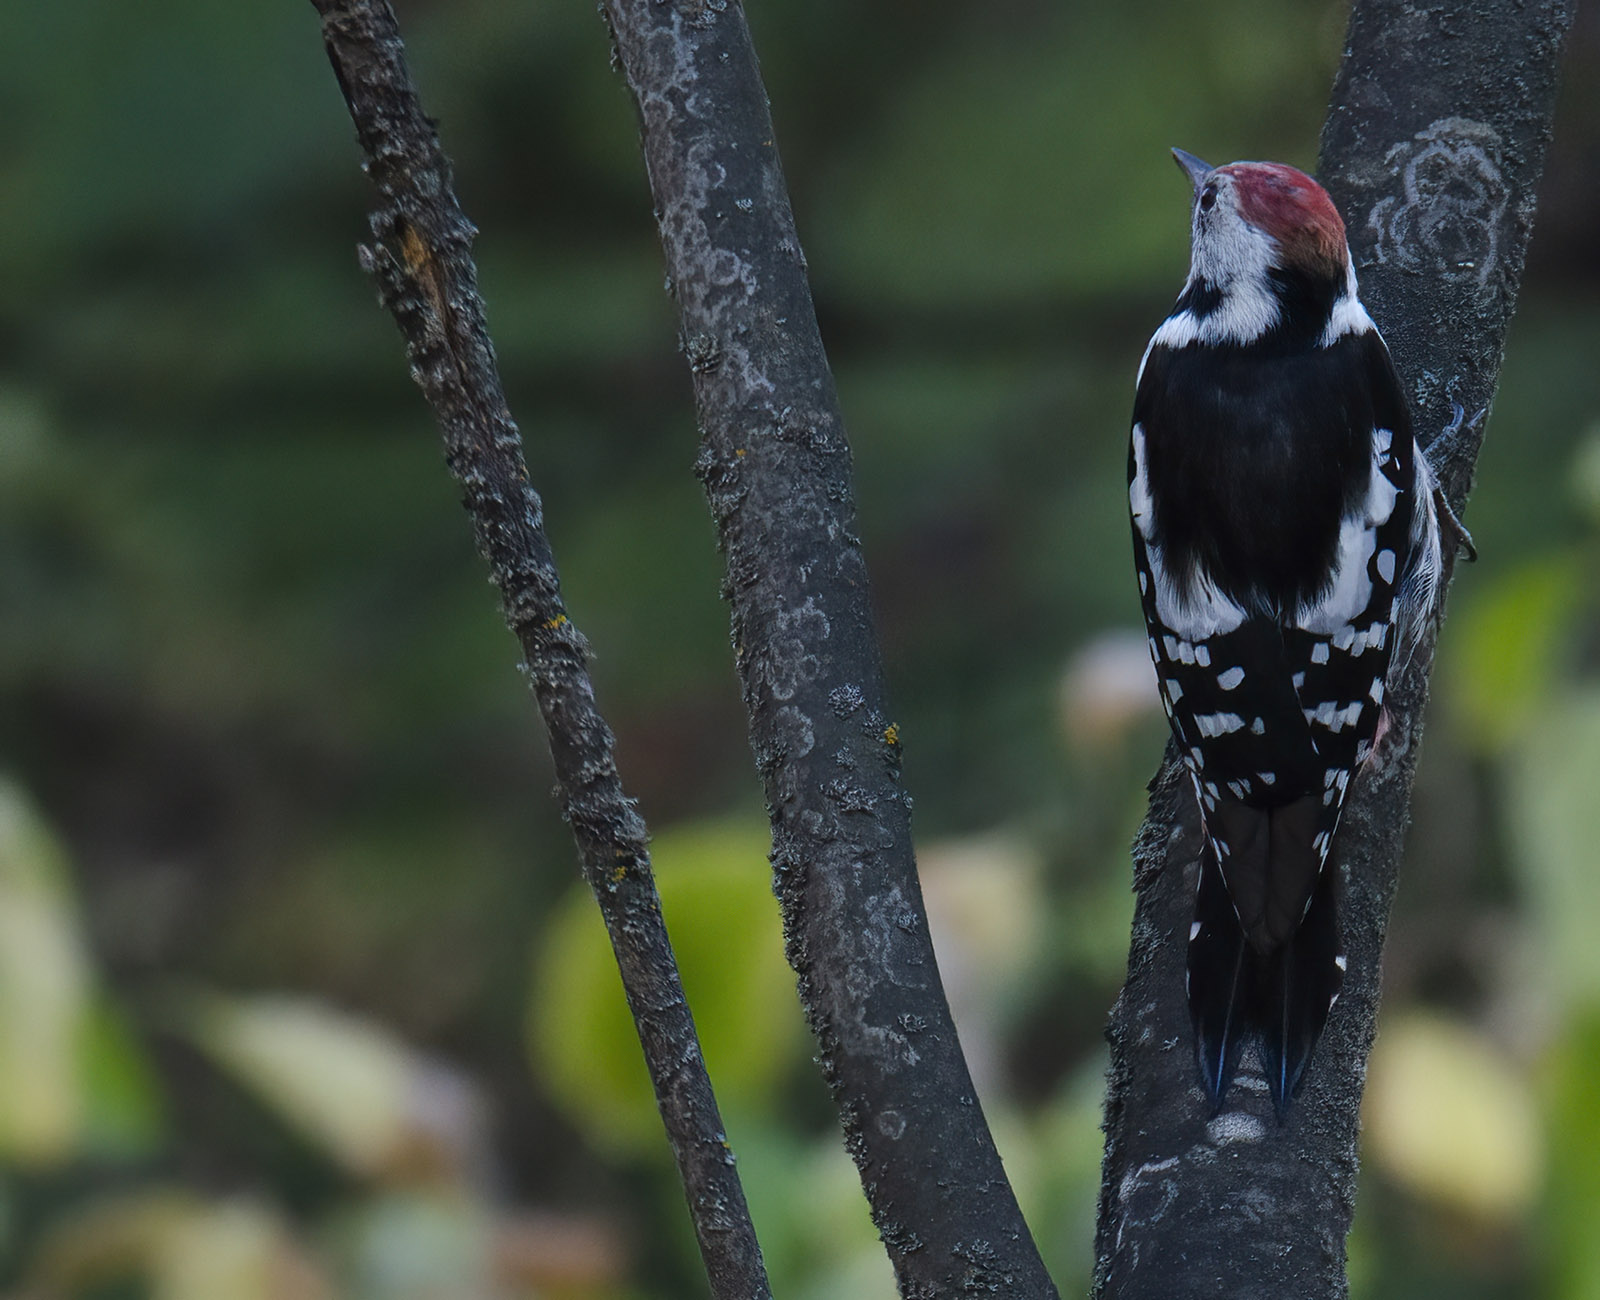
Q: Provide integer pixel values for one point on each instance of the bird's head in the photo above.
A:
(1255, 224)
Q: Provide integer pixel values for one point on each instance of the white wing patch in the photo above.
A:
(1351, 592)
(1195, 611)
(1139, 490)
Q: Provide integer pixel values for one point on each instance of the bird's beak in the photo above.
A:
(1193, 168)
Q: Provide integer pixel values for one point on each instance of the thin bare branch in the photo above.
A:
(421, 259)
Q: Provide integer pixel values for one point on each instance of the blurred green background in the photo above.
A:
(299, 996)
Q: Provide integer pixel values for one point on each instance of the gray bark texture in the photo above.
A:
(776, 470)
(1433, 150)
(421, 258)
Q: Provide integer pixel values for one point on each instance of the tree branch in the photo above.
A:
(776, 470)
(1433, 150)
(422, 262)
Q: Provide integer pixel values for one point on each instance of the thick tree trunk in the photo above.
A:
(1433, 150)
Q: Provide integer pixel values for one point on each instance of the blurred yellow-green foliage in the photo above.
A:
(299, 995)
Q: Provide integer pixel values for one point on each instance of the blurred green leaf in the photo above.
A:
(44, 991)
(1553, 805)
(238, 1249)
(1571, 1208)
(344, 1082)
(1501, 659)
(124, 1108)
(1447, 1116)
(723, 920)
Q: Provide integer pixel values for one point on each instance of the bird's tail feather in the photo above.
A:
(1279, 1000)
(1219, 987)
(1300, 982)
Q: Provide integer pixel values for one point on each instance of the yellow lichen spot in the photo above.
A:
(739, 452)
(619, 873)
(424, 269)
(559, 620)
(413, 249)
(891, 734)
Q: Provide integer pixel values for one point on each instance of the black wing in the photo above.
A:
(1270, 602)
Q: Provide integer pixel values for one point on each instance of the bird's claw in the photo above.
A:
(1459, 539)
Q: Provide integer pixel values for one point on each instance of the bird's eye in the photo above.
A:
(1208, 198)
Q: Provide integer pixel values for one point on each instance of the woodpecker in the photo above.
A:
(1287, 540)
